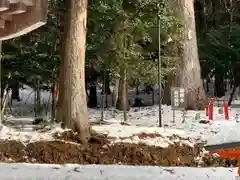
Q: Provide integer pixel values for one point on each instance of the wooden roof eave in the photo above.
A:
(15, 25)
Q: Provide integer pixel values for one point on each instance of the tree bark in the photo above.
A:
(122, 100)
(75, 102)
(188, 69)
(167, 89)
(219, 75)
(63, 18)
(54, 90)
(115, 93)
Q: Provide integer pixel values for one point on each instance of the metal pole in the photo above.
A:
(159, 72)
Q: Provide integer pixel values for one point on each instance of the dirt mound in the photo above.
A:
(67, 149)
(12, 151)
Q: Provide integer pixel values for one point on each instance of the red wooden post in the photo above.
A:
(211, 111)
(226, 111)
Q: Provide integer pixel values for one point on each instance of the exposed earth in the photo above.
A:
(67, 149)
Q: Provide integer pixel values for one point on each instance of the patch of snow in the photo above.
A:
(228, 132)
(128, 134)
(161, 141)
(113, 172)
(117, 130)
(7, 133)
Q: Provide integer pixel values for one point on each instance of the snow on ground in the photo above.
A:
(144, 119)
(113, 172)
(129, 134)
(7, 133)
(227, 131)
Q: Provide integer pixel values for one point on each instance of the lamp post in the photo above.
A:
(159, 69)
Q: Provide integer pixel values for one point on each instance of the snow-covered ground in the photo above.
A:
(144, 119)
(103, 172)
(140, 120)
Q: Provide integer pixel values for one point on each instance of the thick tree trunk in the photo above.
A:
(122, 101)
(63, 27)
(188, 69)
(75, 103)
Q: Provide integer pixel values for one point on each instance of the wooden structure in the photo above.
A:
(227, 150)
(18, 17)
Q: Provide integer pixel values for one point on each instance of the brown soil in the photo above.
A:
(67, 149)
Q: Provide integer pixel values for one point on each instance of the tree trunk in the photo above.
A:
(54, 90)
(107, 90)
(92, 100)
(167, 89)
(216, 5)
(15, 90)
(75, 102)
(219, 85)
(219, 75)
(188, 69)
(107, 84)
(122, 101)
(115, 96)
(38, 93)
(200, 17)
(4, 95)
(115, 93)
(60, 102)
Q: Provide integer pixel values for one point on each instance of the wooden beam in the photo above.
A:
(4, 5)
(16, 8)
(21, 24)
(29, 2)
